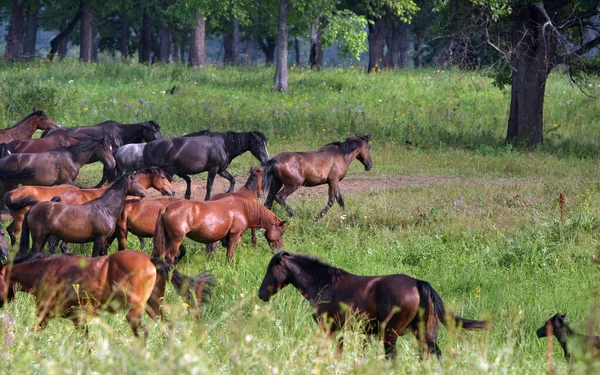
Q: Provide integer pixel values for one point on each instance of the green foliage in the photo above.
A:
(347, 29)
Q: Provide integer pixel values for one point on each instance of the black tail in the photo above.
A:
(24, 243)
(267, 176)
(24, 174)
(160, 238)
(429, 297)
(195, 289)
(19, 203)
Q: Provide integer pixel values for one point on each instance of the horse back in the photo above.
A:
(141, 215)
(206, 221)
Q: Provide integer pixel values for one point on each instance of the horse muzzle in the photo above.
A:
(168, 193)
(264, 296)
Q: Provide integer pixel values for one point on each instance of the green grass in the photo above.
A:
(486, 232)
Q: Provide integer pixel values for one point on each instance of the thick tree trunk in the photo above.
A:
(532, 52)
(227, 49)
(145, 40)
(14, 37)
(417, 50)
(59, 43)
(315, 58)
(397, 44)
(281, 64)
(124, 40)
(30, 35)
(268, 46)
(297, 51)
(247, 54)
(165, 42)
(197, 55)
(376, 44)
(85, 52)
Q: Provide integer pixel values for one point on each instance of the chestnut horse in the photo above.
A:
(71, 285)
(390, 303)
(251, 190)
(47, 143)
(26, 127)
(558, 327)
(224, 220)
(93, 221)
(327, 165)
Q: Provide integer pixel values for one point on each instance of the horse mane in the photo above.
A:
(252, 182)
(235, 142)
(36, 256)
(153, 123)
(349, 145)
(319, 267)
(76, 149)
(34, 113)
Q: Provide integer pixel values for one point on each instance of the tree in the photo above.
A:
(86, 33)
(31, 29)
(14, 37)
(281, 64)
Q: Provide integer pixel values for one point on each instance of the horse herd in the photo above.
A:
(49, 208)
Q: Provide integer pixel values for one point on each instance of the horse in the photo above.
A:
(558, 327)
(60, 166)
(223, 220)
(327, 165)
(251, 190)
(4, 249)
(19, 201)
(388, 303)
(129, 158)
(139, 217)
(212, 152)
(45, 144)
(93, 221)
(117, 133)
(71, 285)
(147, 178)
(26, 127)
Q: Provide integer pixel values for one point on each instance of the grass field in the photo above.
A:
(479, 220)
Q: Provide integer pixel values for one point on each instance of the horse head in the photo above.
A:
(161, 182)
(557, 325)
(276, 278)
(258, 146)
(104, 152)
(43, 122)
(364, 151)
(134, 187)
(151, 131)
(274, 233)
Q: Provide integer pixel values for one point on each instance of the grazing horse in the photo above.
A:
(60, 166)
(558, 327)
(26, 127)
(327, 165)
(212, 152)
(224, 220)
(45, 144)
(251, 190)
(93, 221)
(71, 285)
(118, 134)
(19, 201)
(147, 178)
(390, 303)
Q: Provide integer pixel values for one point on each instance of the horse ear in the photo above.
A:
(282, 223)
(368, 139)
(562, 317)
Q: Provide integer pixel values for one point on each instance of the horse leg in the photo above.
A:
(230, 178)
(231, 244)
(142, 242)
(188, 181)
(390, 337)
(13, 230)
(253, 237)
(64, 247)
(338, 196)
(181, 254)
(38, 242)
(104, 177)
(332, 196)
(276, 185)
(210, 248)
(284, 194)
(100, 247)
(134, 317)
(212, 173)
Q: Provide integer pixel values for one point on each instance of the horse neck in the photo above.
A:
(258, 216)
(235, 144)
(313, 283)
(27, 273)
(131, 133)
(252, 185)
(113, 199)
(85, 155)
(26, 128)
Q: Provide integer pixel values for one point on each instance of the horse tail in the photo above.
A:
(268, 175)
(432, 303)
(195, 289)
(18, 204)
(24, 243)
(160, 236)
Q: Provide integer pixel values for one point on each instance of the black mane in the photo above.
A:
(236, 143)
(318, 267)
(252, 182)
(349, 145)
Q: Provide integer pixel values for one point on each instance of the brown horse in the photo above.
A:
(70, 285)
(557, 326)
(26, 127)
(224, 220)
(20, 200)
(251, 190)
(93, 221)
(327, 165)
(390, 303)
(47, 143)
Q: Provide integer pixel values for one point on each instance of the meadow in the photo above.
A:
(478, 219)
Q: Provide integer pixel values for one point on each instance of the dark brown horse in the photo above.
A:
(327, 165)
(47, 143)
(60, 166)
(93, 221)
(224, 220)
(19, 201)
(390, 303)
(70, 285)
(26, 127)
(558, 327)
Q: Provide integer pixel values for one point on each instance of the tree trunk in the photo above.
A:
(30, 35)
(184, 42)
(155, 43)
(297, 51)
(281, 64)
(59, 43)
(376, 44)
(85, 52)
(197, 55)
(14, 37)
(316, 48)
(145, 40)
(165, 42)
(248, 48)
(268, 46)
(124, 40)
(397, 43)
(417, 50)
(532, 52)
(235, 41)
(227, 48)
(96, 45)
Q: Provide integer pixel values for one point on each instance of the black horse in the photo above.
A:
(390, 303)
(558, 327)
(118, 135)
(212, 152)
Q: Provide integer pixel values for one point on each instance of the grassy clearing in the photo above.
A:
(488, 237)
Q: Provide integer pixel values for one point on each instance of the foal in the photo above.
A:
(558, 327)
